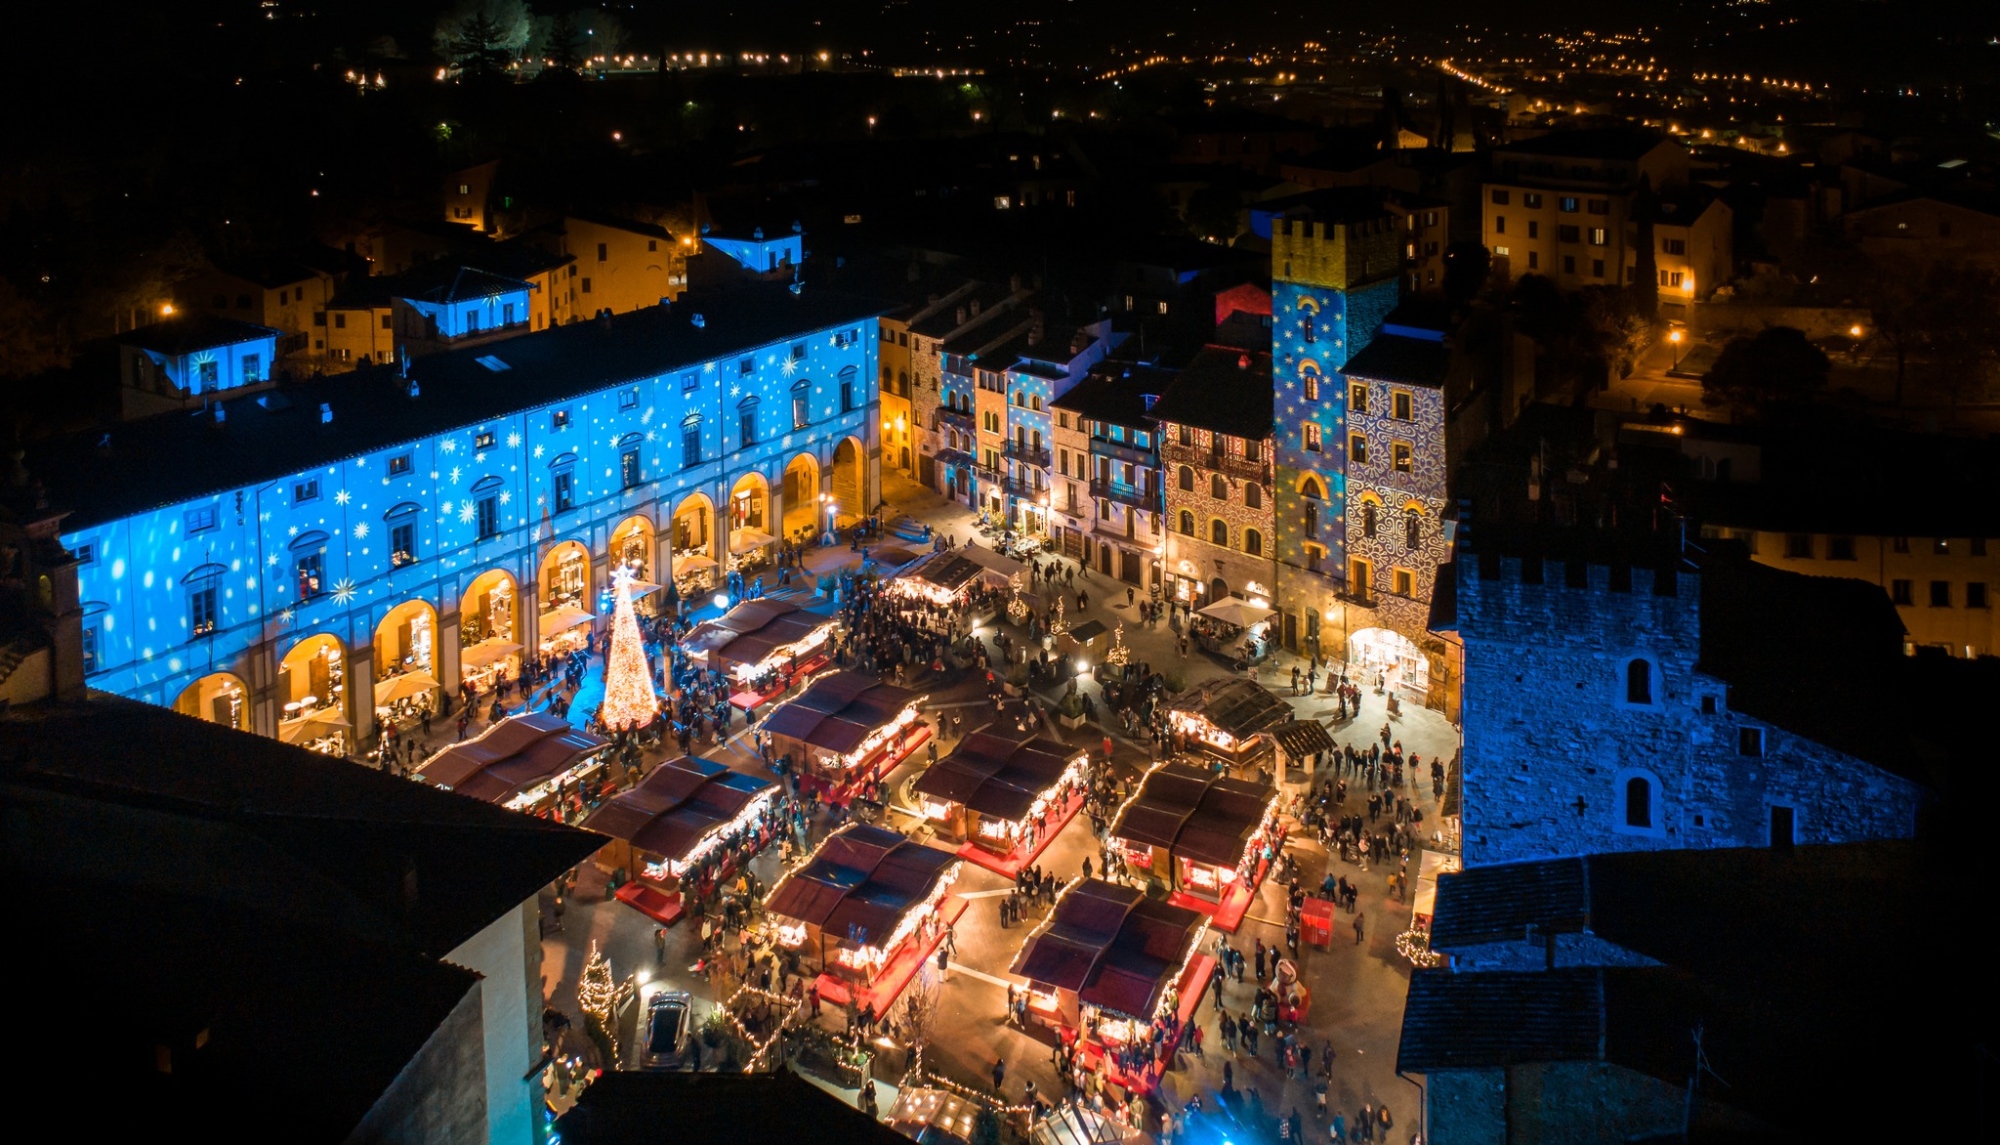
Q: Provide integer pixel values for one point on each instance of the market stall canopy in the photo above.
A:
(1238, 708)
(323, 722)
(691, 562)
(754, 630)
(403, 687)
(746, 540)
(485, 654)
(861, 883)
(892, 556)
(641, 589)
(1086, 632)
(1195, 813)
(997, 772)
(511, 756)
(681, 803)
(1301, 738)
(839, 711)
(952, 569)
(563, 619)
(1112, 947)
(1237, 611)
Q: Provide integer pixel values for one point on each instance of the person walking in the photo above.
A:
(999, 1074)
(944, 969)
(1358, 916)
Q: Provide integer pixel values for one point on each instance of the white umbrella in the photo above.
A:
(1237, 611)
(403, 687)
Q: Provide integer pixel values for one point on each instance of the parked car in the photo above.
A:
(669, 1031)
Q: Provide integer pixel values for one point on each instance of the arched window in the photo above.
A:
(1253, 495)
(1639, 802)
(1187, 479)
(1309, 381)
(1311, 490)
(1638, 682)
(1187, 523)
(1218, 532)
(1253, 542)
(1369, 518)
(1413, 529)
(1218, 488)
(801, 404)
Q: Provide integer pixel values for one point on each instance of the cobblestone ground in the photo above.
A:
(1357, 988)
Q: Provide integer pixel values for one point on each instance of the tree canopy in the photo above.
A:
(1776, 366)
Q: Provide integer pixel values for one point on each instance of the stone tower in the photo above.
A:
(1334, 277)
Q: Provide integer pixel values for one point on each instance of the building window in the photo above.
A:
(1749, 741)
(1253, 495)
(745, 366)
(253, 368)
(1840, 548)
(1901, 592)
(847, 391)
(691, 446)
(1567, 234)
(1357, 397)
(1639, 682)
(1784, 825)
(1311, 382)
(1413, 530)
(628, 398)
(1404, 582)
(199, 520)
(84, 554)
(399, 465)
(1370, 514)
(1567, 204)
(1400, 404)
(565, 491)
(201, 610)
(1186, 523)
(690, 382)
(1639, 803)
(1218, 533)
(559, 420)
(1187, 479)
(1499, 224)
(1500, 197)
(1534, 260)
(1799, 546)
(1940, 594)
(798, 351)
(311, 568)
(586, 284)
(1359, 578)
(1253, 542)
(628, 467)
(402, 544)
(1400, 455)
(1975, 594)
(747, 427)
(1311, 521)
(1218, 488)
(488, 516)
(801, 406)
(89, 649)
(307, 490)
(482, 441)
(1311, 439)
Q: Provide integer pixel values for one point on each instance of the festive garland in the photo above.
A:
(759, 1049)
(1415, 945)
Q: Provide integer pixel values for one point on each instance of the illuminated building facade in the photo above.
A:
(293, 559)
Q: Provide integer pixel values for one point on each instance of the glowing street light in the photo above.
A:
(1675, 337)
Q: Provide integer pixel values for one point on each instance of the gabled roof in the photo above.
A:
(861, 883)
(1587, 143)
(1195, 813)
(1395, 358)
(620, 223)
(511, 756)
(838, 711)
(443, 283)
(1116, 392)
(1227, 391)
(1241, 708)
(1111, 946)
(753, 630)
(192, 333)
(996, 772)
(682, 802)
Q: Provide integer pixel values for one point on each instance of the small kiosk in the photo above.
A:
(1430, 864)
(683, 829)
(1226, 720)
(759, 639)
(1004, 794)
(1108, 962)
(947, 577)
(1299, 742)
(846, 730)
(1208, 838)
(864, 911)
(532, 762)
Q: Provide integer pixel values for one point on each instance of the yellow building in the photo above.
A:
(287, 294)
(899, 425)
(616, 264)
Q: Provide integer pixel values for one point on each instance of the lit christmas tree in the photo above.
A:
(628, 683)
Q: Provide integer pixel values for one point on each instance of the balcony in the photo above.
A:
(1112, 491)
(1038, 456)
(1026, 489)
(1229, 465)
(1145, 538)
(990, 476)
(1119, 451)
(949, 416)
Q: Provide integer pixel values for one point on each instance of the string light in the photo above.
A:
(629, 702)
(1117, 654)
(1415, 945)
(796, 1006)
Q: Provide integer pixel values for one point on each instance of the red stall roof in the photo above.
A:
(1112, 946)
(861, 884)
(511, 756)
(750, 632)
(997, 772)
(1195, 813)
(839, 711)
(681, 803)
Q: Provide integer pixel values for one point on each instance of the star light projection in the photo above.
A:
(629, 702)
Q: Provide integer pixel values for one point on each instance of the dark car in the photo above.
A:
(669, 1031)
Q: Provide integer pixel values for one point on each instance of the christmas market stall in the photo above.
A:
(1004, 794)
(760, 643)
(687, 826)
(1208, 838)
(845, 731)
(949, 576)
(1227, 720)
(532, 762)
(1299, 743)
(865, 910)
(1110, 971)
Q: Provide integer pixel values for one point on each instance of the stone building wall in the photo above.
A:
(1192, 559)
(1553, 741)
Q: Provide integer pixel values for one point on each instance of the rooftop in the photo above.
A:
(1586, 143)
(189, 333)
(170, 459)
(1116, 392)
(1228, 391)
(1111, 946)
(1390, 357)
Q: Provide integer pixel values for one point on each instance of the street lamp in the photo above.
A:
(1675, 337)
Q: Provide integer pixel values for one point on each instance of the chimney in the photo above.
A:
(758, 234)
(326, 413)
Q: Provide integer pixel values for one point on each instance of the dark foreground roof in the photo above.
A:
(1398, 358)
(289, 910)
(1112, 946)
(634, 1108)
(173, 458)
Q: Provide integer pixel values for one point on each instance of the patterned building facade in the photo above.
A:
(1334, 270)
(289, 566)
(1217, 469)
